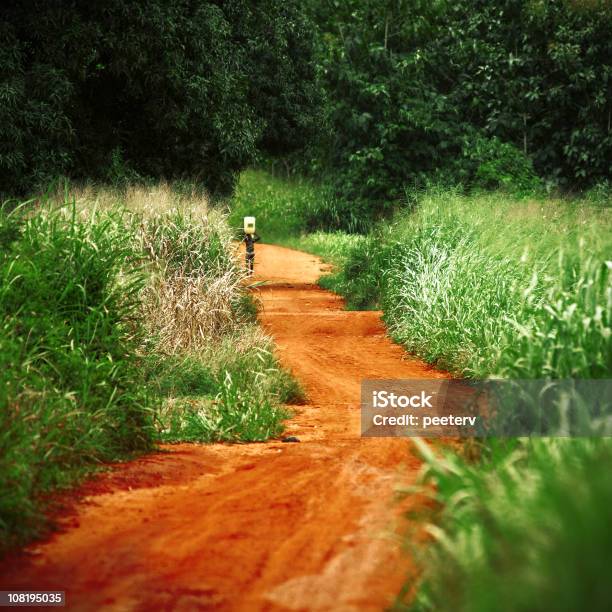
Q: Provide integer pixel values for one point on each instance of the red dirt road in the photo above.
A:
(275, 526)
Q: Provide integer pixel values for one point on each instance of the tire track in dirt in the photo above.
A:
(308, 526)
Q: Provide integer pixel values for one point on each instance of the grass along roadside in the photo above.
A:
(524, 527)
(492, 285)
(196, 311)
(71, 387)
(143, 333)
(285, 208)
(532, 301)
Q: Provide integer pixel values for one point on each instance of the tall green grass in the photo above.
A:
(204, 356)
(198, 314)
(527, 527)
(486, 285)
(232, 390)
(491, 286)
(72, 392)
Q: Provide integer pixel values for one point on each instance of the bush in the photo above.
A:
(489, 163)
(283, 208)
(244, 400)
(212, 366)
(189, 244)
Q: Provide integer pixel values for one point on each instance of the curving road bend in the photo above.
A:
(275, 526)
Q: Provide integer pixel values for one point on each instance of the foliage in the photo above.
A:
(119, 90)
(523, 528)
(358, 276)
(72, 392)
(210, 363)
(530, 302)
(333, 246)
(492, 164)
(470, 92)
(379, 96)
(181, 242)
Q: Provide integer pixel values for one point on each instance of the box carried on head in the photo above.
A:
(249, 225)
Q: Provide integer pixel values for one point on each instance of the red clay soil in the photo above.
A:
(275, 526)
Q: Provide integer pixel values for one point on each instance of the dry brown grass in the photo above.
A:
(145, 202)
(187, 313)
(194, 273)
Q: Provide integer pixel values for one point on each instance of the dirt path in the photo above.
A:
(275, 526)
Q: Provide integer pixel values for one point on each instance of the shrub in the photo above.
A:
(212, 366)
(489, 163)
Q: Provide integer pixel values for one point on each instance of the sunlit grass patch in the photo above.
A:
(233, 415)
(285, 209)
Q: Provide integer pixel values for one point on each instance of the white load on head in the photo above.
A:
(249, 225)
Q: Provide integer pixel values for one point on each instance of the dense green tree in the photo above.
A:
(164, 88)
(469, 91)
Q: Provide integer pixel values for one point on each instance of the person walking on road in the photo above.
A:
(250, 239)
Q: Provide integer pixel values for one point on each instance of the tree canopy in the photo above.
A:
(373, 95)
(164, 88)
(469, 91)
